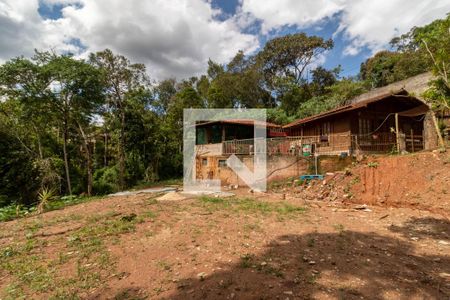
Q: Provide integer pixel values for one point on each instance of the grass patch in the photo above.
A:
(249, 205)
(85, 248)
(14, 211)
(146, 185)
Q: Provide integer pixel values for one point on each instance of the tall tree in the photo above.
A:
(121, 78)
(290, 55)
(77, 93)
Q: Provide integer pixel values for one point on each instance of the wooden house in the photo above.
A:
(394, 121)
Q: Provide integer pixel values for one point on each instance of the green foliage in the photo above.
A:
(289, 55)
(434, 39)
(387, 67)
(44, 197)
(106, 180)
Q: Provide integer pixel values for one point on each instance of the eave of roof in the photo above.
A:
(245, 122)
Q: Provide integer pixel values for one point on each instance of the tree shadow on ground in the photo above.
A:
(424, 228)
(341, 265)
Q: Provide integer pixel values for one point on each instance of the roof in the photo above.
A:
(413, 86)
(245, 122)
(349, 107)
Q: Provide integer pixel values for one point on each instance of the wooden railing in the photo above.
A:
(375, 143)
(292, 145)
(332, 144)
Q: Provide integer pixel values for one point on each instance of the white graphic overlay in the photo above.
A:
(255, 179)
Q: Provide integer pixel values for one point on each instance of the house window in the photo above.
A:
(365, 126)
(204, 161)
(324, 129)
(222, 163)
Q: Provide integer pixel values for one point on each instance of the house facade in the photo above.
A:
(386, 120)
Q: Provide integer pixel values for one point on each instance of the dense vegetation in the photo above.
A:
(99, 125)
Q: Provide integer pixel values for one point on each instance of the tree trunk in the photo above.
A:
(89, 172)
(106, 151)
(438, 131)
(122, 152)
(88, 154)
(66, 159)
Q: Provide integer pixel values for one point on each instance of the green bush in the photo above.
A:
(106, 180)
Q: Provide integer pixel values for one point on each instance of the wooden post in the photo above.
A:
(397, 133)
(223, 132)
(438, 131)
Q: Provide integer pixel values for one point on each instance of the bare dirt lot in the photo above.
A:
(210, 248)
(295, 242)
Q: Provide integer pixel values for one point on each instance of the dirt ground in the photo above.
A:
(420, 180)
(296, 242)
(267, 248)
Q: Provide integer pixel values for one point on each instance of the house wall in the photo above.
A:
(335, 130)
(279, 167)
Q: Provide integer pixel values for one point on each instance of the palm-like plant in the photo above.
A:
(45, 196)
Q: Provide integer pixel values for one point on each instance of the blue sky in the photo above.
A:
(176, 38)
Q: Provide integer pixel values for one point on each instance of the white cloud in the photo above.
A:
(176, 38)
(22, 30)
(276, 14)
(363, 23)
(173, 38)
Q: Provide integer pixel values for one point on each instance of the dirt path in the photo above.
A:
(138, 248)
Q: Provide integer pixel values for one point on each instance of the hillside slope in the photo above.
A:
(420, 180)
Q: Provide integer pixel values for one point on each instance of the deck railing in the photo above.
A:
(292, 145)
(332, 144)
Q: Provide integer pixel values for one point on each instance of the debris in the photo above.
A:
(383, 217)
(442, 242)
(362, 207)
(288, 293)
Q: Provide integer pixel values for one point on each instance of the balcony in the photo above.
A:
(332, 144)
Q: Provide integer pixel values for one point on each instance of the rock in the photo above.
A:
(442, 242)
(315, 272)
(288, 293)
(311, 262)
(201, 276)
(360, 207)
(263, 263)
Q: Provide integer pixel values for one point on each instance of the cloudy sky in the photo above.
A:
(176, 37)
